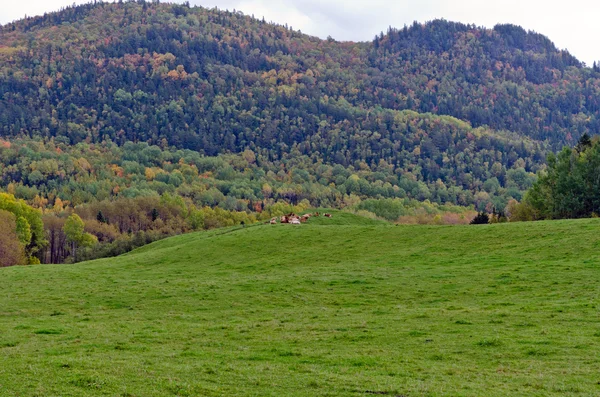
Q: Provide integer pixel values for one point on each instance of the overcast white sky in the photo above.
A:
(570, 24)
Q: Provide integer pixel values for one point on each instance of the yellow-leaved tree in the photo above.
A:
(28, 225)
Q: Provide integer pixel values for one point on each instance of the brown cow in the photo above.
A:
(273, 221)
(285, 219)
(328, 215)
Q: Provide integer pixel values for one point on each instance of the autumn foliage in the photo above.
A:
(12, 252)
(435, 102)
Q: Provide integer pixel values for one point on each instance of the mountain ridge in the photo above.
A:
(219, 82)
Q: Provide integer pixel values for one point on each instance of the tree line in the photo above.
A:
(569, 188)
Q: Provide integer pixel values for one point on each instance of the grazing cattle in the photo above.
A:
(285, 219)
(328, 215)
(304, 219)
(295, 221)
(273, 221)
(317, 214)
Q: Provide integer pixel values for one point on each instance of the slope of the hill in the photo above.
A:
(132, 57)
(316, 310)
(218, 81)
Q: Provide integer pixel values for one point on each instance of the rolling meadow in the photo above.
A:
(335, 307)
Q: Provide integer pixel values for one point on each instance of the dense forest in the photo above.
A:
(440, 101)
(211, 81)
(126, 122)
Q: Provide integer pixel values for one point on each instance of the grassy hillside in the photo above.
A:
(352, 308)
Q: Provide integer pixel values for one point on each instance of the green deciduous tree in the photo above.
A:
(23, 231)
(74, 229)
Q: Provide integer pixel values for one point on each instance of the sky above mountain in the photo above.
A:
(571, 25)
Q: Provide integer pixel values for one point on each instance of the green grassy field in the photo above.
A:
(349, 307)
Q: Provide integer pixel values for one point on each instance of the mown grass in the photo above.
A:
(355, 308)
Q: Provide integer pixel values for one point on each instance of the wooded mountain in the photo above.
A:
(441, 103)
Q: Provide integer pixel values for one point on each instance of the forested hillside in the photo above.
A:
(441, 102)
(126, 196)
